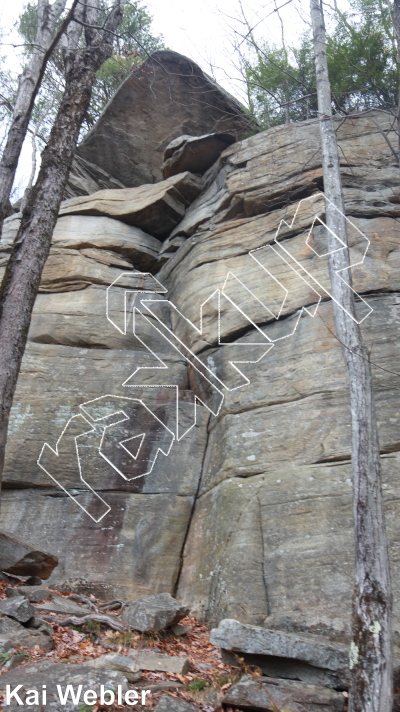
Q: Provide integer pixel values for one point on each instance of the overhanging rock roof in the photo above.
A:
(166, 97)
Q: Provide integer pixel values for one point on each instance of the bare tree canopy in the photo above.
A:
(22, 277)
(29, 84)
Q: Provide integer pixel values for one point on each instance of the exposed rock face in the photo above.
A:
(116, 243)
(86, 178)
(249, 515)
(157, 209)
(275, 496)
(194, 153)
(163, 99)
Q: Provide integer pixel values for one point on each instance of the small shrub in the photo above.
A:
(196, 685)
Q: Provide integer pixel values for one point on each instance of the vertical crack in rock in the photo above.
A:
(195, 498)
(263, 551)
(194, 528)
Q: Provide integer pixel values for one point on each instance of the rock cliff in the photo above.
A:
(246, 512)
(166, 97)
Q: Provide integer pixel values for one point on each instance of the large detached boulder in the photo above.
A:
(269, 695)
(309, 658)
(166, 97)
(236, 636)
(19, 558)
(194, 153)
(154, 613)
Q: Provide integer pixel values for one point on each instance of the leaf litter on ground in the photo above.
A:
(203, 686)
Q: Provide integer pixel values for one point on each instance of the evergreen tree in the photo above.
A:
(362, 62)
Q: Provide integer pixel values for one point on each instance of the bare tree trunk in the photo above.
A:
(396, 16)
(22, 277)
(27, 192)
(28, 86)
(371, 648)
(267, 114)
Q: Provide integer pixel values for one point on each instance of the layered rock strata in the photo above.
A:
(249, 516)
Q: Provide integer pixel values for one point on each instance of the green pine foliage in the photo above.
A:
(362, 60)
(277, 82)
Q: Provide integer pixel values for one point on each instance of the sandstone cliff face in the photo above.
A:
(249, 515)
(166, 97)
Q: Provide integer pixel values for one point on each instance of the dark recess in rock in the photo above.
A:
(194, 153)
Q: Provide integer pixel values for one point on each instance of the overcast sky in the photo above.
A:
(202, 29)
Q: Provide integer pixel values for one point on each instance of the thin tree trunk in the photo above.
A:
(27, 192)
(28, 86)
(31, 248)
(287, 90)
(396, 14)
(371, 648)
(267, 114)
